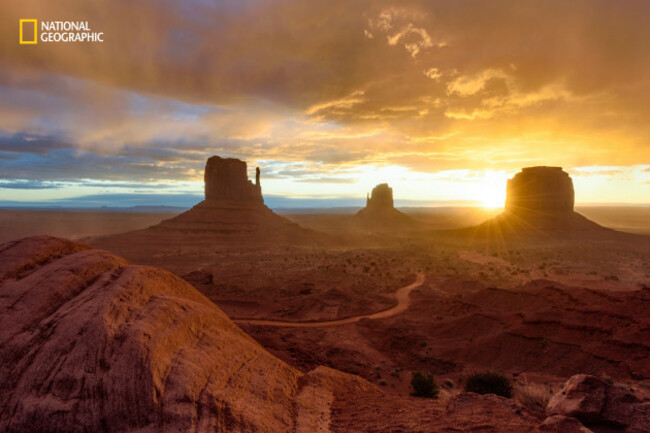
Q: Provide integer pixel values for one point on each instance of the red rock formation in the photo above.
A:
(233, 212)
(595, 402)
(90, 342)
(544, 189)
(565, 424)
(379, 211)
(381, 197)
(539, 204)
(233, 208)
(227, 179)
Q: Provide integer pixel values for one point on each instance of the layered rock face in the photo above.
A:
(90, 342)
(227, 179)
(540, 189)
(597, 403)
(381, 197)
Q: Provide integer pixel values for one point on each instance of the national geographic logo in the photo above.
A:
(56, 32)
(28, 32)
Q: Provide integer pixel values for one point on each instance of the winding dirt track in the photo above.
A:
(403, 302)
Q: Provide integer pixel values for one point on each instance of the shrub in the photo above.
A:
(489, 382)
(423, 385)
(535, 397)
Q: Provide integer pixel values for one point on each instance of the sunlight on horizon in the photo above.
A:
(485, 188)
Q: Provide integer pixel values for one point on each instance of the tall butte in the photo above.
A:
(540, 203)
(233, 213)
(380, 210)
(540, 189)
(227, 179)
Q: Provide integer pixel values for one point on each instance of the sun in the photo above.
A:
(493, 199)
(493, 190)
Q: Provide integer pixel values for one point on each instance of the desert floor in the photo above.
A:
(540, 311)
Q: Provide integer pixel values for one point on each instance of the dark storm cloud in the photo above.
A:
(31, 143)
(74, 164)
(305, 52)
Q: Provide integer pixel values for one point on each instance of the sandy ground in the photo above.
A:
(402, 303)
(16, 224)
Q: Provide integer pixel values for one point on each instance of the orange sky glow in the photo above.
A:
(445, 100)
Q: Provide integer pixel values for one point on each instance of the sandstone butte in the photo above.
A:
(233, 213)
(380, 211)
(91, 342)
(539, 204)
(233, 208)
(540, 189)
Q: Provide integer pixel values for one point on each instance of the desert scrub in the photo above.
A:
(489, 382)
(448, 383)
(533, 396)
(424, 385)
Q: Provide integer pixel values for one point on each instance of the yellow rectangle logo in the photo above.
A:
(22, 33)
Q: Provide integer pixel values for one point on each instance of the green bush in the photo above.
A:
(489, 382)
(423, 385)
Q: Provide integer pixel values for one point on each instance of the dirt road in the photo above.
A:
(402, 297)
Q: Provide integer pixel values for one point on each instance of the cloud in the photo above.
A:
(469, 85)
(28, 184)
(342, 103)
(327, 180)
(328, 85)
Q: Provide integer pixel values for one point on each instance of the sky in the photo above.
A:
(443, 99)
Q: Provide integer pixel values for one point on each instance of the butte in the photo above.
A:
(233, 214)
(380, 212)
(540, 204)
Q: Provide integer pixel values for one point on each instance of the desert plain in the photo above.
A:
(538, 293)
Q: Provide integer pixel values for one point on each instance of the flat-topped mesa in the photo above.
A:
(540, 189)
(380, 212)
(381, 197)
(227, 179)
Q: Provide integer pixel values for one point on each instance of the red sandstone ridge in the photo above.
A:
(379, 210)
(90, 342)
